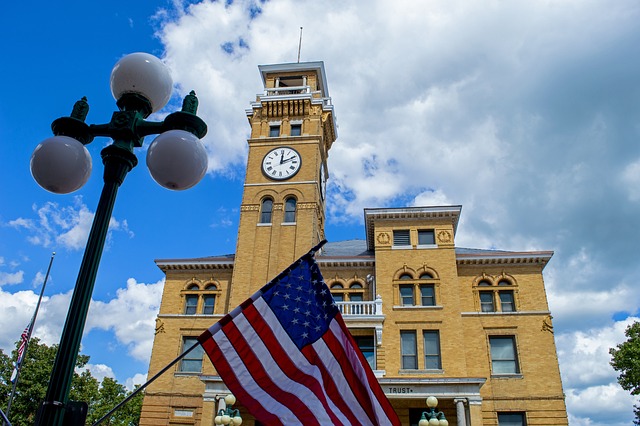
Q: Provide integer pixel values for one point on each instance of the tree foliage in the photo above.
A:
(34, 378)
(625, 359)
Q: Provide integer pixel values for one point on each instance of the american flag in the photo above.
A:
(24, 338)
(289, 358)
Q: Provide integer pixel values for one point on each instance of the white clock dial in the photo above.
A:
(281, 163)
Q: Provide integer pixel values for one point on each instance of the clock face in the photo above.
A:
(281, 163)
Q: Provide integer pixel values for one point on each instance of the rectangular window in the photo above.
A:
(209, 302)
(506, 301)
(365, 344)
(503, 355)
(427, 295)
(406, 295)
(356, 308)
(192, 362)
(486, 301)
(274, 130)
(409, 350)
(296, 129)
(401, 238)
(190, 304)
(426, 237)
(432, 359)
(512, 419)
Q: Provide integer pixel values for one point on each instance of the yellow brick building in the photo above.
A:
(471, 327)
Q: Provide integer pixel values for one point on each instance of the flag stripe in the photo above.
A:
(243, 338)
(363, 377)
(253, 398)
(334, 398)
(329, 362)
(281, 352)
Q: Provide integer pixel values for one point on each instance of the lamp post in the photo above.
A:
(228, 415)
(141, 85)
(433, 417)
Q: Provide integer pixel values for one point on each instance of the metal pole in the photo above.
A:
(29, 331)
(118, 161)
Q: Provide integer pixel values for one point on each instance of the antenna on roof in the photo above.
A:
(300, 45)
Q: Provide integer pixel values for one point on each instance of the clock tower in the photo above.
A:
(282, 213)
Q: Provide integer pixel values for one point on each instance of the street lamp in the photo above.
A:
(433, 417)
(228, 415)
(141, 85)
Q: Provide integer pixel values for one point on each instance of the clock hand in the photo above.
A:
(288, 159)
(281, 157)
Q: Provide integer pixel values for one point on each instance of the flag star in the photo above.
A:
(294, 321)
(317, 328)
(297, 299)
(308, 301)
(296, 310)
(305, 335)
(287, 296)
(324, 291)
(306, 324)
(307, 313)
(285, 307)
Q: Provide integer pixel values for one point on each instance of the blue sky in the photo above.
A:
(526, 112)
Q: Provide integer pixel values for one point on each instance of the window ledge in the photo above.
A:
(409, 307)
(265, 224)
(507, 376)
(409, 247)
(288, 224)
(408, 372)
(208, 316)
(427, 246)
(187, 373)
(474, 314)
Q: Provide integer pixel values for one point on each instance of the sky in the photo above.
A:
(526, 113)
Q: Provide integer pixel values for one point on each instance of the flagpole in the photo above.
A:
(29, 331)
(183, 354)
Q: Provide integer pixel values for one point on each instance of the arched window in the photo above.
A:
(290, 210)
(337, 292)
(406, 277)
(265, 211)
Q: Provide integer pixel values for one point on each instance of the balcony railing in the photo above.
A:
(361, 308)
(294, 90)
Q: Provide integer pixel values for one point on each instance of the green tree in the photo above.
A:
(625, 359)
(34, 378)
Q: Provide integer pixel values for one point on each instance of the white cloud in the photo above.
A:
(11, 277)
(100, 371)
(63, 226)
(130, 315)
(137, 379)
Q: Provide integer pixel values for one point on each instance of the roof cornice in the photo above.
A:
(409, 213)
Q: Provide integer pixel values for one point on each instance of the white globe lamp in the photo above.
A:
(61, 164)
(177, 160)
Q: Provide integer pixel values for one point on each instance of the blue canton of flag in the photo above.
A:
(302, 303)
